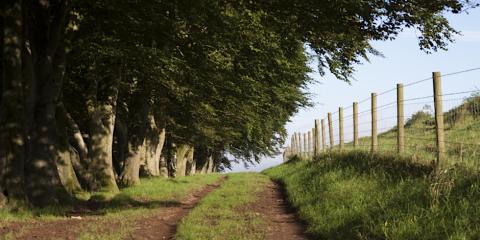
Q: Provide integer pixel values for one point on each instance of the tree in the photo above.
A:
(92, 90)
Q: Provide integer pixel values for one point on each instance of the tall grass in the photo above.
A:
(358, 195)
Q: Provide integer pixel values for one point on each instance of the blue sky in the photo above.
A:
(403, 62)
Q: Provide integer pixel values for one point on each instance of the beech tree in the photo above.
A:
(95, 94)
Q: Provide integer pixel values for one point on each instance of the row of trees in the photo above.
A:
(96, 93)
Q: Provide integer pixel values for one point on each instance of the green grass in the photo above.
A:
(120, 210)
(225, 214)
(462, 134)
(357, 195)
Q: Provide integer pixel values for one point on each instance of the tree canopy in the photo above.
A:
(96, 93)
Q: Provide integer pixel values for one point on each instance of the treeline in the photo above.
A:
(95, 94)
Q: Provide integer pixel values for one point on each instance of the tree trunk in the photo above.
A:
(66, 153)
(131, 175)
(45, 28)
(68, 178)
(163, 166)
(11, 108)
(2, 39)
(191, 164)
(204, 168)
(137, 131)
(120, 147)
(201, 156)
(181, 160)
(101, 104)
(72, 139)
(154, 140)
(101, 126)
(169, 155)
(69, 156)
(210, 164)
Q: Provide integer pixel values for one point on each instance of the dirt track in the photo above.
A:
(282, 220)
(161, 222)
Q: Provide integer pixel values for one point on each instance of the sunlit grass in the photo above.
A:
(225, 213)
(357, 195)
(119, 210)
(462, 137)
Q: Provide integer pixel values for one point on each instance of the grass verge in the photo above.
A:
(223, 214)
(118, 212)
(357, 195)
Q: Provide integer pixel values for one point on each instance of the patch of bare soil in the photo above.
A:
(164, 225)
(160, 223)
(282, 220)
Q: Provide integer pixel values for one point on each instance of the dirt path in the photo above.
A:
(160, 223)
(163, 226)
(282, 220)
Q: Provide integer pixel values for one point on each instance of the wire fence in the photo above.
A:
(432, 120)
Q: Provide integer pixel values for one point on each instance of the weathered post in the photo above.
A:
(317, 137)
(309, 152)
(400, 120)
(340, 127)
(286, 154)
(293, 144)
(330, 130)
(300, 147)
(355, 125)
(324, 136)
(296, 143)
(313, 142)
(437, 97)
(305, 145)
(374, 123)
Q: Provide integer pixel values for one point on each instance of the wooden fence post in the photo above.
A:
(292, 145)
(299, 144)
(317, 137)
(355, 125)
(313, 142)
(309, 152)
(439, 125)
(330, 130)
(305, 145)
(374, 123)
(400, 120)
(340, 128)
(324, 136)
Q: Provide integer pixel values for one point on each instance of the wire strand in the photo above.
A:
(462, 71)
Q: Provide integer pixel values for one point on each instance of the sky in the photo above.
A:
(403, 62)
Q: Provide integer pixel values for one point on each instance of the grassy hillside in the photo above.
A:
(462, 136)
(357, 195)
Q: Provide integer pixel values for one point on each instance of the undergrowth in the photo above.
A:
(357, 195)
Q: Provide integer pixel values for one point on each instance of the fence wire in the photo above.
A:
(461, 118)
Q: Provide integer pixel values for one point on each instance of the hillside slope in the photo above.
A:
(357, 195)
(354, 194)
(462, 136)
